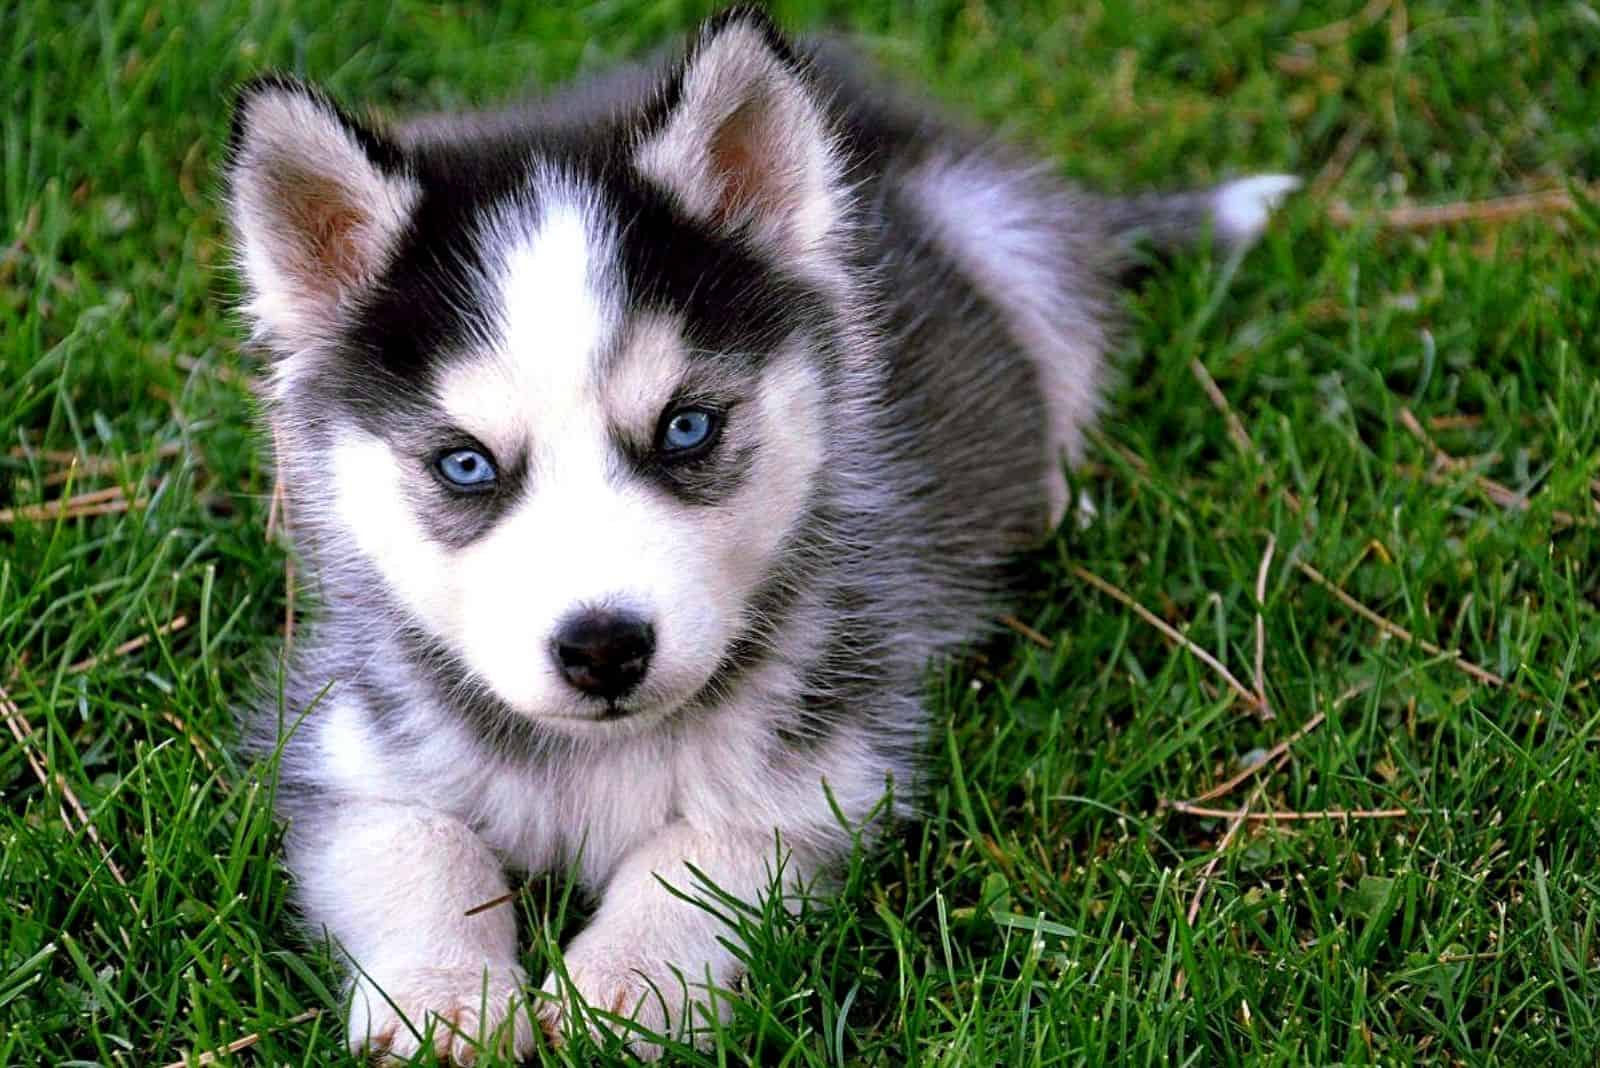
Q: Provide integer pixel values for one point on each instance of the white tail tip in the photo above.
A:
(1242, 208)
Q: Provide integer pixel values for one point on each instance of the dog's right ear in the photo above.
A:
(740, 139)
(317, 202)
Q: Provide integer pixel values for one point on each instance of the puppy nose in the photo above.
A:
(604, 653)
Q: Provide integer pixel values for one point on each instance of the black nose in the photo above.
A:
(604, 653)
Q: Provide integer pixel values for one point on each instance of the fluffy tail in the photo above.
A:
(1233, 214)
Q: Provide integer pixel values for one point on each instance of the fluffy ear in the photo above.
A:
(741, 141)
(316, 201)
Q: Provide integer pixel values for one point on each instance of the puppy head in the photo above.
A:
(562, 397)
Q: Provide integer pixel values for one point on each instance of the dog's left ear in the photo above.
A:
(317, 201)
(742, 143)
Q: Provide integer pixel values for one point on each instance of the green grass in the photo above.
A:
(1039, 914)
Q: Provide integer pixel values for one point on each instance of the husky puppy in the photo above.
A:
(644, 446)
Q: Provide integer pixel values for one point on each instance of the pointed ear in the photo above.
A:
(317, 202)
(741, 141)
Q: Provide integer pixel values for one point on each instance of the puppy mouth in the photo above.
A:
(599, 712)
(640, 709)
(639, 703)
(629, 711)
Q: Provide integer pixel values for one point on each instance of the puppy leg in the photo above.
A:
(651, 956)
(393, 884)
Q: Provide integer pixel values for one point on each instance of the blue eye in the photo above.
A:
(688, 428)
(467, 469)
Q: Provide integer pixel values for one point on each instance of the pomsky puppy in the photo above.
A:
(644, 446)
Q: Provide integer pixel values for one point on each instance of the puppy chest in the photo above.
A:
(584, 813)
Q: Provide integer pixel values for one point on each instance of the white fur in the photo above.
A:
(371, 504)
(412, 964)
(403, 809)
(643, 803)
(581, 537)
(1243, 207)
(624, 816)
(555, 314)
(655, 958)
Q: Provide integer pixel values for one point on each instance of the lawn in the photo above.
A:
(1358, 471)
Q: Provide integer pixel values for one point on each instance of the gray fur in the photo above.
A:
(954, 319)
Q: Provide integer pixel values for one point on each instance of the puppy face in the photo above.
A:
(583, 460)
(566, 400)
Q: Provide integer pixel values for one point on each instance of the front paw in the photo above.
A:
(456, 1012)
(643, 1000)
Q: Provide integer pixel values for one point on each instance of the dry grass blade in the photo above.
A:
(1027, 632)
(129, 646)
(200, 748)
(1453, 655)
(1455, 422)
(22, 731)
(194, 366)
(99, 496)
(1165, 628)
(1500, 494)
(97, 502)
(1226, 787)
(288, 604)
(1427, 216)
(275, 510)
(99, 465)
(59, 457)
(1289, 817)
(1413, 427)
(1339, 160)
(75, 465)
(1211, 866)
(14, 253)
(1206, 872)
(278, 516)
(1261, 628)
(1334, 32)
(492, 903)
(1275, 757)
(212, 1057)
(1236, 429)
(1222, 789)
(1222, 847)
(274, 507)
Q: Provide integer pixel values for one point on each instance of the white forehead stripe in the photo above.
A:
(548, 299)
(555, 307)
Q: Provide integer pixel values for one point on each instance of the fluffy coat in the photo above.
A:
(897, 331)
